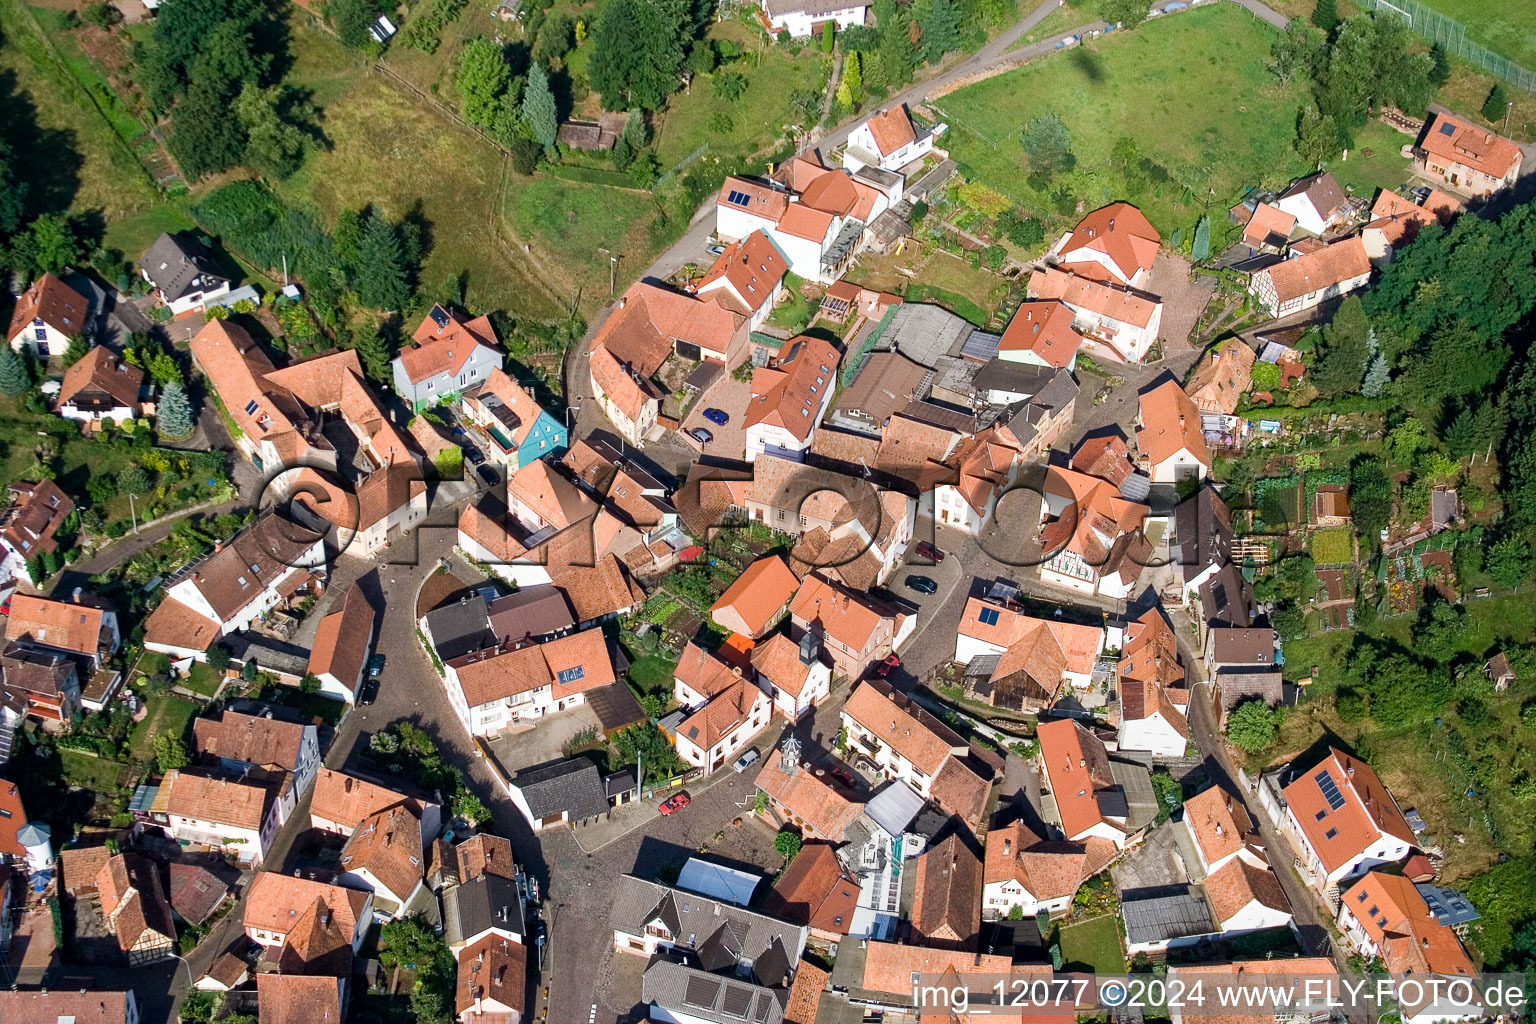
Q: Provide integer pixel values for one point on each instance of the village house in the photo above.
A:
(41, 684)
(1153, 697)
(628, 398)
(853, 629)
(1316, 202)
(723, 708)
(47, 315)
(1105, 456)
(1113, 243)
(1471, 160)
(649, 917)
(1225, 601)
(519, 429)
(384, 856)
(183, 273)
(29, 526)
(1343, 821)
(341, 800)
(887, 140)
(81, 628)
(1115, 322)
(339, 653)
(802, 18)
(1303, 282)
(946, 900)
(747, 278)
(1251, 974)
(133, 905)
(789, 397)
(1093, 537)
(901, 739)
(234, 586)
(45, 1006)
(794, 675)
(1169, 435)
(1385, 916)
(1034, 425)
(565, 792)
(1021, 662)
(815, 804)
(1200, 542)
(817, 892)
(1028, 874)
(235, 814)
(890, 966)
(1041, 333)
(1221, 378)
(1396, 220)
(1087, 796)
(756, 600)
(675, 991)
(1219, 829)
(100, 386)
(283, 910)
(360, 519)
(494, 979)
(1268, 228)
(300, 998)
(238, 742)
(503, 686)
(985, 466)
(450, 353)
(21, 841)
(884, 385)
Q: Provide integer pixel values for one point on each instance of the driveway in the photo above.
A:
(1183, 302)
(730, 396)
(1154, 864)
(543, 740)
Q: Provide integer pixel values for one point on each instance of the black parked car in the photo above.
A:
(922, 584)
(473, 454)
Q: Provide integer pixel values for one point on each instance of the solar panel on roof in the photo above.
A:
(738, 198)
(1447, 129)
(571, 675)
(701, 992)
(737, 1001)
(988, 616)
(1330, 789)
(439, 316)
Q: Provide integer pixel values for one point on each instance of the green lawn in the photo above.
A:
(1375, 162)
(581, 223)
(89, 772)
(1093, 945)
(757, 116)
(1192, 90)
(313, 705)
(166, 714)
(203, 680)
(1507, 27)
(652, 674)
(133, 235)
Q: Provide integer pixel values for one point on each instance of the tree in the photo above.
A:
(352, 19)
(77, 350)
(1377, 373)
(1026, 233)
(407, 941)
(853, 78)
(482, 77)
(310, 683)
(1298, 52)
(728, 86)
(1510, 561)
(525, 156)
(1200, 248)
(381, 269)
(637, 52)
(170, 752)
(898, 53)
(1126, 13)
(1496, 103)
(1440, 71)
(48, 246)
(1265, 376)
(555, 39)
(539, 112)
(1440, 630)
(1251, 726)
(941, 30)
(14, 378)
(1317, 135)
(1326, 15)
(374, 354)
(174, 413)
(274, 146)
(787, 844)
(827, 40)
(1048, 145)
(1341, 362)
(1370, 496)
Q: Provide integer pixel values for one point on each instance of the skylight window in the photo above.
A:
(989, 616)
(250, 407)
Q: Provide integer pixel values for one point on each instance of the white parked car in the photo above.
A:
(746, 760)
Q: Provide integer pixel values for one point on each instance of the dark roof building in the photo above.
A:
(179, 265)
(535, 612)
(489, 902)
(1202, 533)
(1226, 599)
(459, 628)
(676, 992)
(723, 937)
(559, 792)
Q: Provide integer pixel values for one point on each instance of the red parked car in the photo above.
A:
(674, 803)
(843, 775)
(929, 551)
(889, 665)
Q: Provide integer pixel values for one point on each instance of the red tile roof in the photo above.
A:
(641, 331)
(1117, 304)
(946, 902)
(1077, 766)
(274, 902)
(805, 994)
(1368, 810)
(1044, 328)
(1331, 265)
(568, 665)
(1121, 232)
(61, 624)
(176, 625)
(802, 221)
(815, 891)
(388, 846)
(1170, 423)
(908, 730)
(1269, 225)
(845, 616)
(354, 621)
(251, 739)
(446, 347)
(761, 200)
(753, 601)
(1106, 457)
(1396, 918)
(1238, 883)
(492, 972)
(1047, 870)
(892, 129)
(54, 303)
(790, 392)
(815, 801)
(1397, 218)
(346, 799)
(297, 999)
(888, 967)
(753, 268)
(1469, 145)
(101, 372)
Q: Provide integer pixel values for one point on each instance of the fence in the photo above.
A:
(1452, 35)
(682, 165)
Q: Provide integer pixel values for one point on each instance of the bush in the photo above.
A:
(1251, 726)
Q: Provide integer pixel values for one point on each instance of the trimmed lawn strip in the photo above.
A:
(166, 714)
(1094, 944)
(88, 771)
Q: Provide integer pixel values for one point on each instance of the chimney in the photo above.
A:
(75, 596)
(1111, 223)
(622, 301)
(1008, 845)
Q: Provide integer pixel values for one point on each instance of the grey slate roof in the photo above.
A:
(268, 652)
(1249, 649)
(1226, 598)
(459, 628)
(681, 990)
(536, 611)
(722, 935)
(1161, 918)
(924, 332)
(894, 807)
(572, 786)
(1019, 378)
(1024, 418)
(179, 265)
(1202, 532)
(489, 901)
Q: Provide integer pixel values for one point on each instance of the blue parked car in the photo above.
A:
(716, 417)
